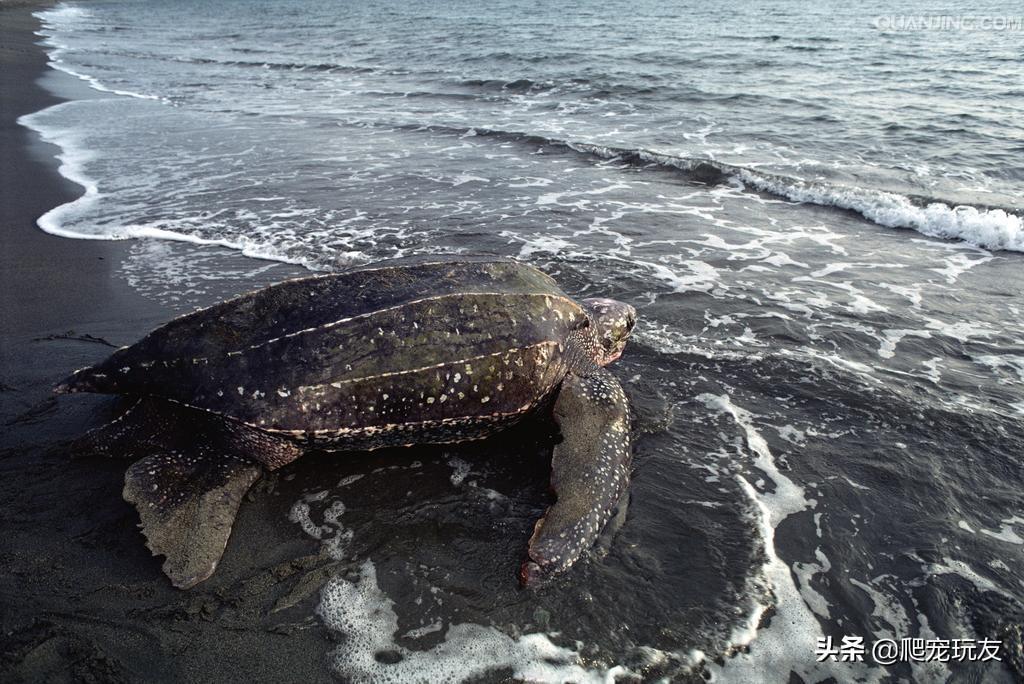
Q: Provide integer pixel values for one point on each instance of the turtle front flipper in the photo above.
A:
(188, 487)
(589, 472)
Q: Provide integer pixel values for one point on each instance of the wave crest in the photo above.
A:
(991, 228)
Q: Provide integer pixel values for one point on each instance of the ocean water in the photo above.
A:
(817, 216)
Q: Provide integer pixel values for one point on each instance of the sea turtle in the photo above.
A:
(423, 350)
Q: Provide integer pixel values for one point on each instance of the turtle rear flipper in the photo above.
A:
(187, 502)
(129, 436)
(589, 472)
(197, 466)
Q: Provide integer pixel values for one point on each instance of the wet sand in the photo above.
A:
(81, 599)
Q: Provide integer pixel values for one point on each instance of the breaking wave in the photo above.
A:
(987, 227)
(993, 228)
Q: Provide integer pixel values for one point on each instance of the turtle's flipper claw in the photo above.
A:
(589, 473)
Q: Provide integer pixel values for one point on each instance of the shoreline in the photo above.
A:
(81, 599)
(51, 286)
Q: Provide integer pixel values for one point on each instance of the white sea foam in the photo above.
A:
(1013, 363)
(67, 17)
(886, 609)
(366, 616)
(862, 371)
(787, 645)
(784, 647)
(788, 497)
(952, 566)
(931, 671)
(890, 338)
(912, 293)
(1006, 532)
(805, 572)
(334, 537)
(74, 157)
(96, 84)
(538, 244)
(664, 339)
(894, 621)
(959, 262)
(701, 276)
(987, 228)
(460, 469)
(300, 514)
(994, 229)
(64, 12)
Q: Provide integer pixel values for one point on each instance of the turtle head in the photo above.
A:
(612, 322)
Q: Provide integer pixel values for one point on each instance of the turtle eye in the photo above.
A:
(584, 324)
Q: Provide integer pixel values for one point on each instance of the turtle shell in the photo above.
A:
(427, 349)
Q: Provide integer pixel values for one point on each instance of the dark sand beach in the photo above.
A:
(80, 597)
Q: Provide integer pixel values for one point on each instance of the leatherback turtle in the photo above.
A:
(424, 350)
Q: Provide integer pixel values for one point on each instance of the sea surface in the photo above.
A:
(815, 209)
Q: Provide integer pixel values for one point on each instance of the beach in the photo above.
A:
(81, 599)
